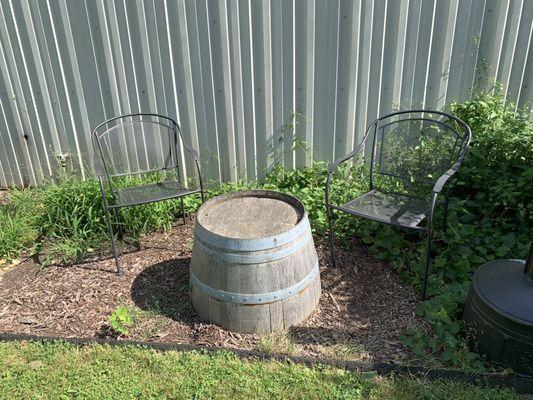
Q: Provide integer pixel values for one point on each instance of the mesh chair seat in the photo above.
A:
(390, 208)
(150, 193)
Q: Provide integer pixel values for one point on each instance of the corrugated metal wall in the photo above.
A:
(252, 83)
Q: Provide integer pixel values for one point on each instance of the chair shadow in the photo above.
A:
(163, 289)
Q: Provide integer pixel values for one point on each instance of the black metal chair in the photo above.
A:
(140, 144)
(416, 151)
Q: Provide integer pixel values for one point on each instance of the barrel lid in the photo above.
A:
(250, 214)
(504, 287)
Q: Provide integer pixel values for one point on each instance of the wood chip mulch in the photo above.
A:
(363, 310)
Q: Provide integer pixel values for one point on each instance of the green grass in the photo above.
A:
(16, 234)
(64, 371)
(278, 343)
(64, 220)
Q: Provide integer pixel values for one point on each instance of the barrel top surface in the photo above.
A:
(250, 214)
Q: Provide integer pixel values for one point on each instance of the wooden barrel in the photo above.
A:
(254, 265)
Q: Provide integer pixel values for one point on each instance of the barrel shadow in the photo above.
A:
(163, 289)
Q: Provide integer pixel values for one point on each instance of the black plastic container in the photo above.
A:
(499, 309)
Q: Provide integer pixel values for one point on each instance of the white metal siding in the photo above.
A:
(248, 81)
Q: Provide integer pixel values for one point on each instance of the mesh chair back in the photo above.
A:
(136, 144)
(417, 147)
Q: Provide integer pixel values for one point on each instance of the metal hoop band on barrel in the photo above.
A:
(252, 257)
(262, 298)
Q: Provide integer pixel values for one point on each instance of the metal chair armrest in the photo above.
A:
(97, 165)
(439, 185)
(187, 147)
(333, 166)
(194, 153)
(100, 174)
(200, 181)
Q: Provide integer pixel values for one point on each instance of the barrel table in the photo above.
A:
(254, 266)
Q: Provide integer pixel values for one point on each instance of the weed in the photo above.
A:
(16, 234)
(278, 343)
(121, 320)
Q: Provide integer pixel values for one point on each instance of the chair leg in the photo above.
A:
(119, 224)
(113, 245)
(331, 244)
(183, 210)
(426, 264)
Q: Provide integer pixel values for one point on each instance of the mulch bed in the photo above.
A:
(363, 310)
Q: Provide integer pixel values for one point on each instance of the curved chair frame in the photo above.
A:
(102, 170)
(437, 187)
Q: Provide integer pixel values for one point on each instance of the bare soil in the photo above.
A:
(363, 310)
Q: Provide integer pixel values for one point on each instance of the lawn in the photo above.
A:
(64, 371)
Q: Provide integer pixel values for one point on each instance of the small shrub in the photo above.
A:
(65, 250)
(68, 216)
(496, 178)
(308, 185)
(121, 320)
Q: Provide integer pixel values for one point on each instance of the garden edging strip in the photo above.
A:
(521, 384)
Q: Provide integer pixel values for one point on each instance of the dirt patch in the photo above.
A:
(363, 310)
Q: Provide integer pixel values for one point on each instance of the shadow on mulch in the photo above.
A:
(163, 288)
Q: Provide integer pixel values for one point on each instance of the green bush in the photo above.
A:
(496, 179)
(308, 184)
